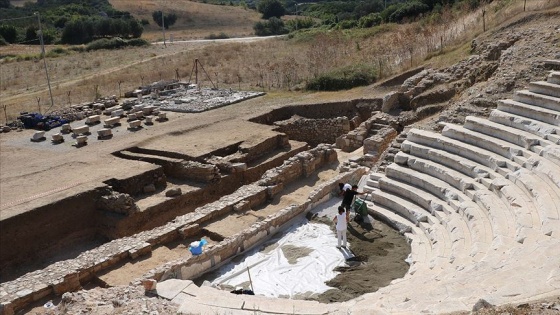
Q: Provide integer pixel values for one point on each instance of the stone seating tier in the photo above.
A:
(554, 77)
(535, 127)
(546, 88)
(539, 100)
(529, 111)
(519, 137)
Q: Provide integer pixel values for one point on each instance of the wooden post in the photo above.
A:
(483, 20)
(38, 103)
(250, 281)
(524, 5)
(5, 113)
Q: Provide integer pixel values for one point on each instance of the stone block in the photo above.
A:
(65, 128)
(189, 230)
(162, 117)
(57, 138)
(131, 117)
(168, 289)
(117, 113)
(108, 123)
(80, 130)
(149, 120)
(139, 115)
(140, 250)
(149, 284)
(38, 136)
(70, 282)
(173, 192)
(81, 140)
(135, 124)
(104, 133)
(95, 119)
(148, 110)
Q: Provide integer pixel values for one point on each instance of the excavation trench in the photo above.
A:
(236, 197)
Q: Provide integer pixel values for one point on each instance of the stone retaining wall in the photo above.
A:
(314, 131)
(69, 275)
(359, 107)
(134, 185)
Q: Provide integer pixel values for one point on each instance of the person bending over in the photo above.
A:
(349, 197)
(344, 187)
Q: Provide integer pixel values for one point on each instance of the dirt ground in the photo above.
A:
(380, 258)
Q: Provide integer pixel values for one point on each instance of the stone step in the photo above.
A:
(540, 100)
(421, 247)
(447, 183)
(546, 88)
(554, 77)
(470, 152)
(400, 206)
(480, 140)
(509, 134)
(533, 126)
(552, 64)
(501, 219)
(464, 167)
(545, 196)
(542, 114)
(456, 226)
(386, 215)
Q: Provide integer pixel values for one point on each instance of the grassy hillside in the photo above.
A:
(275, 65)
(194, 20)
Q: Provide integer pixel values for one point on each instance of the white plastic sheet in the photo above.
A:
(274, 276)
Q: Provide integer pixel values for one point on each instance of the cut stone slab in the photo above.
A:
(94, 119)
(80, 130)
(170, 288)
(108, 123)
(38, 136)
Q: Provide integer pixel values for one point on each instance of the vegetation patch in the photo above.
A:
(115, 43)
(343, 79)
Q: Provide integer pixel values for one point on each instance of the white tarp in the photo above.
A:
(274, 276)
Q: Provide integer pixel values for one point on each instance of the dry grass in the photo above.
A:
(270, 65)
(194, 20)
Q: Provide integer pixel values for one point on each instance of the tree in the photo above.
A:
(273, 26)
(9, 33)
(136, 28)
(271, 8)
(4, 3)
(168, 19)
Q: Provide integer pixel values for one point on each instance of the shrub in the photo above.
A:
(9, 33)
(300, 24)
(3, 42)
(370, 20)
(222, 35)
(106, 43)
(274, 26)
(343, 79)
(137, 42)
(115, 43)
